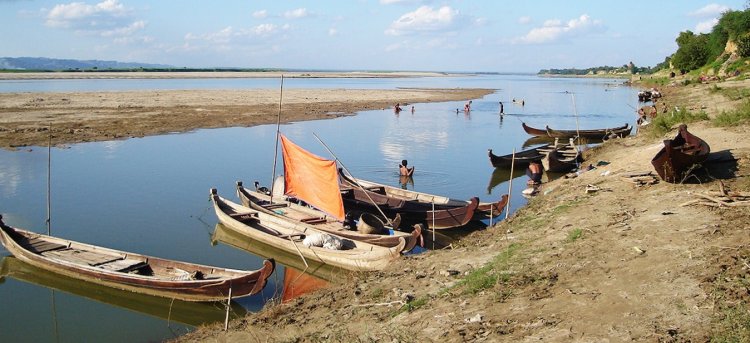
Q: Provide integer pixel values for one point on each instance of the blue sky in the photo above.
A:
(423, 35)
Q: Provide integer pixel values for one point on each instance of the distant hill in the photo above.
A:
(42, 63)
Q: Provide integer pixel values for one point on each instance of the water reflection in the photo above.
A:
(501, 175)
(189, 313)
(300, 276)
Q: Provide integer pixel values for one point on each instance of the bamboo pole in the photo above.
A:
(278, 124)
(229, 306)
(510, 182)
(49, 181)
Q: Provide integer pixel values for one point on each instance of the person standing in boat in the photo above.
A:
(403, 170)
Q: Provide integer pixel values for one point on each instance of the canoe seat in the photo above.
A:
(243, 215)
(272, 206)
(314, 220)
(125, 265)
(39, 246)
(376, 189)
(81, 257)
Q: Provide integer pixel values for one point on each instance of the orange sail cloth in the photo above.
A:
(312, 179)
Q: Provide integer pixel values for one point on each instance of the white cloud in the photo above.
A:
(524, 20)
(425, 19)
(710, 10)
(391, 2)
(332, 31)
(79, 15)
(229, 34)
(260, 14)
(555, 29)
(125, 31)
(706, 26)
(296, 13)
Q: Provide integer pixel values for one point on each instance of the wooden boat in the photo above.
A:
(412, 204)
(185, 312)
(320, 220)
(534, 131)
(425, 200)
(676, 160)
(562, 159)
(288, 236)
(621, 131)
(522, 158)
(132, 272)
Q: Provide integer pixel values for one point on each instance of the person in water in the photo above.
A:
(404, 170)
(397, 108)
(502, 110)
(534, 172)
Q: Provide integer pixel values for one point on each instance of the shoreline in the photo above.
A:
(73, 117)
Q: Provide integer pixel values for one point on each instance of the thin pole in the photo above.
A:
(278, 124)
(578, 131)
(360, 186)
(49, 178)
(433, 225)
(229, 306)
(510, 182)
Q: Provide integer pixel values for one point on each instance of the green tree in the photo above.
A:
(692, 52)
(743, 45)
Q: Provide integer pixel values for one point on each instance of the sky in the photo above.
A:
(375, 35)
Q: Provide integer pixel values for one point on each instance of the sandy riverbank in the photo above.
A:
(209, 74)
(27, 118)
(624, 263)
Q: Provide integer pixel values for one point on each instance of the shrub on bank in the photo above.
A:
(737, 116)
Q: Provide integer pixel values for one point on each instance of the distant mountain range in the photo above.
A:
(42, 63)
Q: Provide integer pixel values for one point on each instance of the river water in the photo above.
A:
(150, 195)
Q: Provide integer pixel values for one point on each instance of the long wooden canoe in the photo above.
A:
(673, 162)
(280, 233)
(132, 272)
(393, 196)
(172, 310)
(320, 220)
(621, 131)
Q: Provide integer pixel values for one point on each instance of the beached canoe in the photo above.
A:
(186, 312)
(287, 236)
(679, 156)
(394, 197)
(320, 220)
(132, 272)
(621, 131)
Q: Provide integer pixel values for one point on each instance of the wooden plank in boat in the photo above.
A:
(124, 265)
(314, 220)
(273, 206)
(81, 256)
(39, 246)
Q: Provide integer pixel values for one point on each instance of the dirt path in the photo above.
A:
(624, 263)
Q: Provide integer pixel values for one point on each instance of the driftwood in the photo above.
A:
(640, 178)
(722, 198)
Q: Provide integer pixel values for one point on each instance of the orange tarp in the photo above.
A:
(312, 179)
